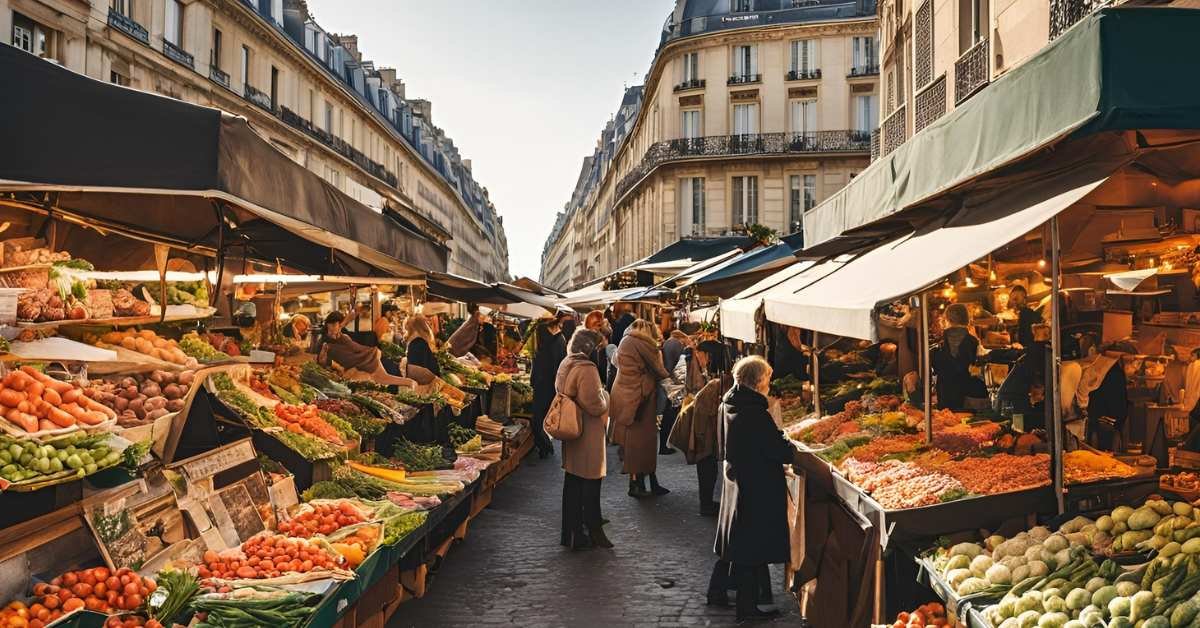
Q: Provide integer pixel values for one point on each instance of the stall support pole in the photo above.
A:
(1056, 364)
(926, 378)
(816, 374)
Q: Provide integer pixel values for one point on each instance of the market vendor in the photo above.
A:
(463, 338)
(385, 325)
(297, 332)
(1027, 317)
(952, 360)
(422, 365)
(1100, 394)
(358, 361)
(1023, 391)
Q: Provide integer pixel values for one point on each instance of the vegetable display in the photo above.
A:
(307, 419)
(931, 614)
(149, 343)
(99, 589)
(416, 457)
(251, 607)
(193, 345)
(34, 402)
(355, 415)
(141, 399)
(268, 556)
(74, 456)
(301, 442)
(324, 518)
(1082, 466)
(175, 592)
(318, 377)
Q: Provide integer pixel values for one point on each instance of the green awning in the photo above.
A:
(1120, 69)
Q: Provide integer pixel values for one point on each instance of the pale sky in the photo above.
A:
(523, 86)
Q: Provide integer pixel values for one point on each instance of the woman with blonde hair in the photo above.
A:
(422, 362)
(634, 405)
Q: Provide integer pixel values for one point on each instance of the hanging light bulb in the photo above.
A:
(992, 275)
(1041, 263)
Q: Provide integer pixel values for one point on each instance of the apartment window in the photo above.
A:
(312, 107)
(804, 56)
(804, 116)
(277, 10)
(117, 78)
(216, 49)
(802, 197)
(124, 7)
(972, 23)
(22, 35)
(745, 119)
(245, 65)
(691, 204)
(741, 6)
(173, 22)
(690, 121)
(864, 54)
(745, 62)
(691, 67)
(274, 88)
(745, 201)
(328, 117)
(866, 113)
(33, 37)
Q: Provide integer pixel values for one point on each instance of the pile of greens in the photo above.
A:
(318, 377)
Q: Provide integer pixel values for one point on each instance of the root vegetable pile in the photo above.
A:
(34, 401)
(307, 418)
(149, 343)
(141, 399)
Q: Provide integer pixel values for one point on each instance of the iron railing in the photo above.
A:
(929, 104)
(259, 98)
(127, 25)
(864, 70)
(690, 84)
(875, 144)
(971, 71)
(178, 55)
(840, 141)
(219, 76)
(338, 145)
(1065, 13)
(803, 75)
(893, 131)
(742, 79)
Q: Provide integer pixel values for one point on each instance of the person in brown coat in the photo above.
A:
(634, 405)
(695, 432)
(584, 458)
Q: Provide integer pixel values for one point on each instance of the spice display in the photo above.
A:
(1081, 465)
(999, 473)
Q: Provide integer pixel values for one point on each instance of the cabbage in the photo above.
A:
(1033, 552)
(1038, 568)
(1078, 599)
(1040, 533)
(1094, 585)
(980, 564)
(1119, 607)
(1020, 572)
(971, 585)
(1028, 619)
(999, 574)
(1104, 595)
(1126, 589)
(1053, 620)
(956, 577)
(958, 561)
(1054, 604)
(1055, 542)
(970, 550)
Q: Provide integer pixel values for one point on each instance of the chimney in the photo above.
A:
(467, 164)
(423, 108)
(350, 43)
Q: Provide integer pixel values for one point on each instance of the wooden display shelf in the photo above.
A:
(119, 321)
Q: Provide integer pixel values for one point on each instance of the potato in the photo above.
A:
(120, 404)
(136, 406)
(175, 405)
(172, 391)
(156, 414)
(186, 378)
(151, 389)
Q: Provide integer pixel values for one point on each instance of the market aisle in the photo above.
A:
(511, 570)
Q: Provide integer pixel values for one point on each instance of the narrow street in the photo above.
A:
(510, 570)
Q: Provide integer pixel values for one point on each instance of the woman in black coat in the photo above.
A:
(551, 350)
(752, 527)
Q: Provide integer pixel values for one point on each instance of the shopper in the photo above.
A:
(296, 333)
(1027, 317)
(549, 350)
(752, 528)
(359, 361)
(584, 460)
(673, 347)
(695, 433)
(634, 405)
(422, 364)
(463, 338)
(596, 321)
(952, 360)
(624, 318)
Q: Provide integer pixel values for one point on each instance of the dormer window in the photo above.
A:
(741, 6)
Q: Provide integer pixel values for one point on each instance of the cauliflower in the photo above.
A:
(980, 564)
(999, 574)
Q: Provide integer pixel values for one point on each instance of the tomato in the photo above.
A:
(113, 583)
(149, 584)
(100, 589)
(71, 604)
(132, 587)
(82, 589)
(101, 573)
(86, 576)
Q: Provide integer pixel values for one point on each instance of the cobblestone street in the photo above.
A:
(510, 570)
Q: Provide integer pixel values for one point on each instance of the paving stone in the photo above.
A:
(511, 570)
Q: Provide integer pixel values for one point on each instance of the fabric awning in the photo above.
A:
(735, 274)
(468, 290)
(162, 169)
(1117, 69)
(843, 303)
(738, 312)
(585, 300)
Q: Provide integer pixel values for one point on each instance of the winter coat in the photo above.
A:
(695, 431)
(551, 350)
(464, 337)
(632, 406)
(752, 527)
(579, 380)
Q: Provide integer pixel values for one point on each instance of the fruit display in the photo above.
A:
(269, 555)
(1082, 466)
(187, 293)
(194, 346)
(35, 402)
(140, 399)
(77, 455)
(931, 614)
(98, 589)
(325, 517)
(131, 621)
(355, 543)
(149, 343)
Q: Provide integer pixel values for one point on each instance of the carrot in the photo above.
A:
(21, 420)
(71, 396)
(11, 398)
(60, 417)
(46, 380)
(52, 397)
(45, 425)
(19, 381)
(35, 389)
(95, 417)
(74, 410)
(96, 406)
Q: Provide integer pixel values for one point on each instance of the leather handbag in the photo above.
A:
(562, 419)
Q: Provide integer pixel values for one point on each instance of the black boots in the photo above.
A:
(637, 486)
(655, 487)
(599, 539)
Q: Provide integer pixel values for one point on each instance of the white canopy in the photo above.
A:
(584, 299)
(844, 303)
(738, 311)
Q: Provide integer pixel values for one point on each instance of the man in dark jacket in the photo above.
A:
(624, 320)
(752, 527)
(551, 350)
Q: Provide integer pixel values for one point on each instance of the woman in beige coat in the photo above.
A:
(634, 405)
(584, 457)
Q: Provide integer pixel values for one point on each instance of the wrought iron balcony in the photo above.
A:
(744, 79)
(864, 70)
(971, 71)
(765, 144)
(690, 84)
(126, 25)
(259, 98)
(1065, 13)
(803, 75)
(875, 144)
(178, 55)
(893, 131)
(219, 77)
(338, 145)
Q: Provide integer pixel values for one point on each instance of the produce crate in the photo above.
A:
(305, 472)
(927, 574)
(20, 507)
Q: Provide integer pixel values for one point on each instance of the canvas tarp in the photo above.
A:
(1118, 69)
